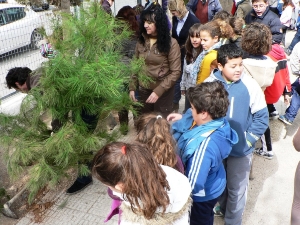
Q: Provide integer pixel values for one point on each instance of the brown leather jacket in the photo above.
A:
(165, 69)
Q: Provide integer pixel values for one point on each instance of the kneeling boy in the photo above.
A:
(204, 139)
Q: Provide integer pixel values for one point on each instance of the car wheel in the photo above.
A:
(36, 37)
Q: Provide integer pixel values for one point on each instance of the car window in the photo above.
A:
(2, 18)
(14, 14)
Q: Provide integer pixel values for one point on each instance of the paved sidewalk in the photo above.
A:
(269, 196)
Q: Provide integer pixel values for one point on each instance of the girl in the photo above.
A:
(151, 193)
(286, 17)
(154, 131)
(193, 48)
(162, 62)
(210, 34)
(237, 25)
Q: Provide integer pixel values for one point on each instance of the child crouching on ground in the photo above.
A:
(204, 139)
(151, 193)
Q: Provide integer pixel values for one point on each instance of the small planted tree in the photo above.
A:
(87, 76)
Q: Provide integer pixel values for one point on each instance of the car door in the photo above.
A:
(18, 28)
(4, 40)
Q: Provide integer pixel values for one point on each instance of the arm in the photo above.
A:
(198, 168)
(174, 60)
(260, 120)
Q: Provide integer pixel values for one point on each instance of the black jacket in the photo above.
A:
(270, 19)
(184, 33)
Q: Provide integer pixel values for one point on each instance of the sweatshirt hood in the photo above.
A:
(227, 137)
(277, 52)
(262, 71)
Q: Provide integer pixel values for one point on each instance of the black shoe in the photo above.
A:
(77, 187)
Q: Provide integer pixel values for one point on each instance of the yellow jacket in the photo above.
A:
(204, 71)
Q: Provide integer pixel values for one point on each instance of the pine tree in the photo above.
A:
(87, 74)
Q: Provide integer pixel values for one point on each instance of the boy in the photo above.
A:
(248, 116)
(262, 14)
(204, 139)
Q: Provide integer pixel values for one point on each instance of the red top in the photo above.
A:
(202, 11)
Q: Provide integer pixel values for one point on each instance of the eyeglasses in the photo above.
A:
(259, 6)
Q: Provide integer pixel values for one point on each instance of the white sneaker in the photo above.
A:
(265, 154)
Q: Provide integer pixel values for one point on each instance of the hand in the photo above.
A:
(132, 96)
(286, 99)
(174, 117)
(152, 98)
(183, 92)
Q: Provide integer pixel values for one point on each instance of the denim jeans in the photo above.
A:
(295, 40)
(292, 110)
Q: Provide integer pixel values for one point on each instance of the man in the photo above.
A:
(24, 79)
(204, 10)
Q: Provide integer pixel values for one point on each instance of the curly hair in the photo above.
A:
(257, 39)
(218, 28)
(144, 182)
(237, 25)
(155, 133)
(210, 97)
(194, 31)
(17, 74)
(128, 15)
(155, 14)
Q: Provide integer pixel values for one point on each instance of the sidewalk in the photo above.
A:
(269, 195)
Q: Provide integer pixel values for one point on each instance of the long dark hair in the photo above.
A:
(154, 13)
(128, 15)
(194, 31)
(144, 182)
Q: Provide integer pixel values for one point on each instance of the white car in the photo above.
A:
(18, 27)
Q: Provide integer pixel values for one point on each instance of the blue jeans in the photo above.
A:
(295, 40)
(292, 110)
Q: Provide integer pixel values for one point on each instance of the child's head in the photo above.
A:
(154, 131)
(132, 170)
(222, 15)
(209, 101)
(259, 6)
(237, 25)
(193, 42)
(257, 39)
(211, 32)
(230, 63)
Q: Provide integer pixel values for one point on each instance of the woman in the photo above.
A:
(162, 59)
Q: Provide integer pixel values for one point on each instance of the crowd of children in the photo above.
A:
(232, 72)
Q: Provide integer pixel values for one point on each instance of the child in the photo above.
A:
(154, 131)
(204, 139)
(248, 116)
(210, 34)
(292, 110)
(193, 48)
(286, 17)
(237, 25)
(262, 14)
(151, 193)
(257, 42)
